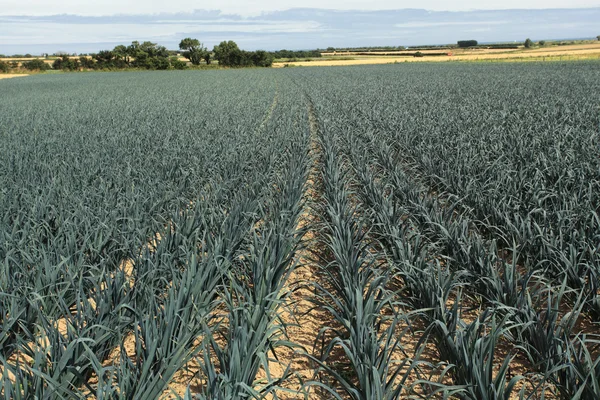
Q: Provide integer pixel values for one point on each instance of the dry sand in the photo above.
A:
(7, 76)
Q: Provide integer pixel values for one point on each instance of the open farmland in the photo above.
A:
(583, 51)
(374, 232)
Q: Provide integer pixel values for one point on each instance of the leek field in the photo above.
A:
(369, 233)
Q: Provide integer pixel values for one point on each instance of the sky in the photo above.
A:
(34, 26)
(255, 7)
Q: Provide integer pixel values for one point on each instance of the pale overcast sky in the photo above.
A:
(82, 26)
(244, 7)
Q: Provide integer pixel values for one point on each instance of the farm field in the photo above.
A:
(423, 230)
(583, 51)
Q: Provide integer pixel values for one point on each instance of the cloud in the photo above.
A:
(256, 7)
(48, 32)
(295, 28)
(422, 24)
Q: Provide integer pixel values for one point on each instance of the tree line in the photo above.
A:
(290, 54)
(151, 56)
(227, 53)
(145, 55)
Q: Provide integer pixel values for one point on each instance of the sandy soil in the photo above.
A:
(8, 76)
(304, 319)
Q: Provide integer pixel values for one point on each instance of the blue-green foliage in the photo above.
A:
(149, 220)
(129, 205)
(480, 180)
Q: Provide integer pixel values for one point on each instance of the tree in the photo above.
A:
(153, 50)
(148, 55)
(467, 43)
(528, 43)
(228, 53)
(133, 48)
(193, 50)
(121, 53)
(104, 59)
(542, 42)
(598, 37)
(261, 58)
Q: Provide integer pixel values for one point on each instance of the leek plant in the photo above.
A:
(356, 294)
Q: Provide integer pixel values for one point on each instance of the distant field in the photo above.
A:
(548, 53)
(552, 52)
(7, 76)
(21, 60)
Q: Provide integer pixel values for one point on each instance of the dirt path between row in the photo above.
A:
(305, 320)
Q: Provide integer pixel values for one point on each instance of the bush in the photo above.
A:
(158, 63)
(542, 42)
(36, 65)
(178, 64)
(104, 58)
(86, 62)
(4, 67)
(65, 63)
(528, 43)
(419, 54)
